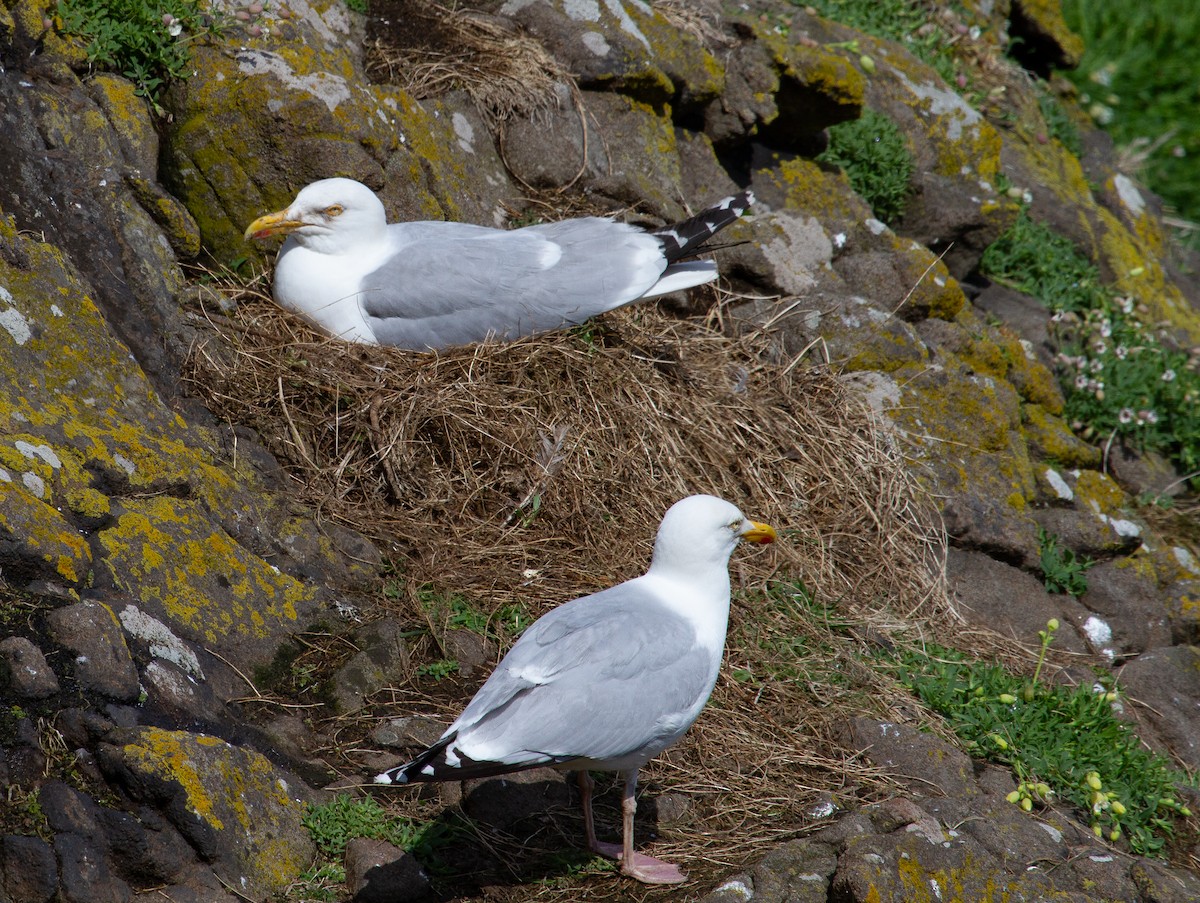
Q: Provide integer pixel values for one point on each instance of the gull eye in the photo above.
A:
(736, 525)
(334, 210)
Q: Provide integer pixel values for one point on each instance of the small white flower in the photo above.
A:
(1081, 381)
(1125, 416)
(1168, 375)
(1097, 365)
(1121, 352)
(1100, 348)
(1106, 329)
(175, 29)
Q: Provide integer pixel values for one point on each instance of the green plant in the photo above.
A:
(438, 670)
(1062, 571)
(320, 884)
(149, 43)
(1058, 123)
(332, 825)
(872, 152)
(1119, 377)
(906, 22)
(503, 626)
(1137, 79)
(1061, 742)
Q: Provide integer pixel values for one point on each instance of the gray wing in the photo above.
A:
(450, 284)
(598, 678)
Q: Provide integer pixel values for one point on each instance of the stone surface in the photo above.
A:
(377, 872)
(24, 669)
(28, 869)
(993, 594)
(102, 662)
(1164, 687)
(84, 872)
(509, 801)
(238, 810)
(382, 659)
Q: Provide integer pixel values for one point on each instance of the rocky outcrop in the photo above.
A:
(160, 584)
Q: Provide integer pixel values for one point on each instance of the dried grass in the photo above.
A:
(429, 49)
(537, 471)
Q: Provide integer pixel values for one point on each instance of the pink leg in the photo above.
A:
(642, 868)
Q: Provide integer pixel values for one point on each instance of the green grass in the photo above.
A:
(332, 825)
(791, 638)
(872, 152)
(1062, 572)
(1140, 79)
(906, 22)
(502, 626)
(1058, 123)
(1062, 743)
(1119, 379)
(148, 43)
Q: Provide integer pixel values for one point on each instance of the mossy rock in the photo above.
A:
(1051, 439)
(177, 565)
(631, 48)
(240, 812)
(36, 542)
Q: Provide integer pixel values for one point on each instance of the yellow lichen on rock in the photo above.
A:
(234, 792)
(163, 754)
(43, 533)
(1051, 438)
(168, 555)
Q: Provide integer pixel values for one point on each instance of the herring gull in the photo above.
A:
(430, 285)
(607, 681)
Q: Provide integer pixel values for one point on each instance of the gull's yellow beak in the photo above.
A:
(760, 533)
(272, 224)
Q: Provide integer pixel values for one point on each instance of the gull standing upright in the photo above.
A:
(430, 285)
(607, 681)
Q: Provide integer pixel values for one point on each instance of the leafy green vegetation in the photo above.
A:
(503, 626)
(148, 43)
(440, 669)
(1062, 572)
(332, 825)
(1058, 123)
(872, 152)
(1139, 79)
(906, 22)
(791, 637)
(1119, 378)
(1061, 743)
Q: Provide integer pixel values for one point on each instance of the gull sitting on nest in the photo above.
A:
(430, 285)
(607, 681)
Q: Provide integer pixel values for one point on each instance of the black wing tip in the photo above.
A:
(684, 238)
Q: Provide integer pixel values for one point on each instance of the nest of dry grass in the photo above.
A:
(429, 49)
(536, 471)
(511, 467)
